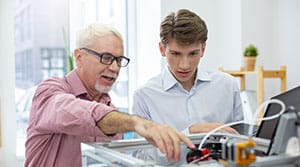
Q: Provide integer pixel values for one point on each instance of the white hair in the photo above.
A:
(86, 35)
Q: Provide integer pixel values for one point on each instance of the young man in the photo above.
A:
(77, 108)
(183, 96)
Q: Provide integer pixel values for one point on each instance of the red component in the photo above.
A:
(205, 151)
(205, 154)
(198, 155)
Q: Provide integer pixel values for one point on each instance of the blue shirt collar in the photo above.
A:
(170, 81)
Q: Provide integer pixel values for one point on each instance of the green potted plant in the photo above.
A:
(250, 53)
(70, 61)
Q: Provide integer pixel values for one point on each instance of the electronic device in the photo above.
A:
(268, 128)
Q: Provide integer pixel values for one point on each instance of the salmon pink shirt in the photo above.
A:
(62, 116)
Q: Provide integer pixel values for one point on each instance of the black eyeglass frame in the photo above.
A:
(119, 59)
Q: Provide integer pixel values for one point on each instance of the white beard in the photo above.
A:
(102, 89)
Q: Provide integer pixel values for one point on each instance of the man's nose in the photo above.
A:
(184, 62)
(114, 66)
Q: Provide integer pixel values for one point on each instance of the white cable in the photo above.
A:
(264, 106)
(254, 120)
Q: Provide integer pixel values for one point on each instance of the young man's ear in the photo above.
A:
(203, 48)
(162, 49)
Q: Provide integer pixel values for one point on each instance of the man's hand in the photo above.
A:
(166, 138)
(207, 127)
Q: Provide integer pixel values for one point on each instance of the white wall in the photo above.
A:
(274, 26)
(7, 86)
(287, 35)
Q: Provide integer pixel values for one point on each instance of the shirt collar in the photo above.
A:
(78, 88)
(203, 76)
(75, 83)
(170, 81)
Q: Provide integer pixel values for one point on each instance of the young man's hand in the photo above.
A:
(207, 127)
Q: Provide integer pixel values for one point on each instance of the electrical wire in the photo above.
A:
(253, 121)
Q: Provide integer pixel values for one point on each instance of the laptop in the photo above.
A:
(267, 129)
(243, 129)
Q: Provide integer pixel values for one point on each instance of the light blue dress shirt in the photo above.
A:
(214, 97)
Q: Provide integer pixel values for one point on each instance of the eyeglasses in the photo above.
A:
(108, 59)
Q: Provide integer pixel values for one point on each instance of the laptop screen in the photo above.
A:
(267, 129)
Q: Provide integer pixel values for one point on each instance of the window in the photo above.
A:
(54, 62)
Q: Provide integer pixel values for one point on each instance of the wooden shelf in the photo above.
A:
(261, 74)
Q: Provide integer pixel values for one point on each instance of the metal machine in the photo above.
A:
(225, 150)
(276, 144)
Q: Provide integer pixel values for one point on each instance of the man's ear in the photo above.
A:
(162, 49)
(77, 56)
(203, 48)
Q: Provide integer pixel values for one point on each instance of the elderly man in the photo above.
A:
(77, 108)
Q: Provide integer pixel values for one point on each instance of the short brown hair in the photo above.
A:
(184, 26)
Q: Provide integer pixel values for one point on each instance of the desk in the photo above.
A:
(261, 74)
